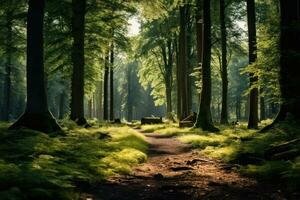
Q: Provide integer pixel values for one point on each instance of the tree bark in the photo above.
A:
(199, 36)
(178, 82)
(224, 112)
(204, 119)
(183, 71)
(167, 55)
(112, 57)
(106, 89)
(253, 112)
(78, 29)
(129, 94)
(289, 78)
(37, 115)
(100, 98)
(262, 105)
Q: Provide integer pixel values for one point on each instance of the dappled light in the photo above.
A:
(149, 100)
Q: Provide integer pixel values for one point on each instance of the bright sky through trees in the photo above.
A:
(134, 26)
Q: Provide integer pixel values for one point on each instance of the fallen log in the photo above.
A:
(192, 117)
(151, 120)
(189, 121)
(186, 124)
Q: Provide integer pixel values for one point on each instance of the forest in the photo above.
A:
(149, 100)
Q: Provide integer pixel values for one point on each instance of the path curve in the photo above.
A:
(175, 172)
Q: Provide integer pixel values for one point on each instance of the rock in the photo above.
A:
(175, 169)
(158, 176)
(194, 161)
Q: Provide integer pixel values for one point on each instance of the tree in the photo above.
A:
(182, 68)
(78, 29)
(204, 119)
(106, 89)
(289, 63)
(37, 115)
(111, 84)
(224, 74)
(253, 111)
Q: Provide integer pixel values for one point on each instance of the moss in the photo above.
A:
(42, 166)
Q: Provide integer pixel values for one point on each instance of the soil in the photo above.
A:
(176, 172)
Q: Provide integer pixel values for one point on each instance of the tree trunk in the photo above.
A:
(167, 56)
(78, 29)
(224, 112)
(129, 95)
(90, 107)
(199, 36)
(183, 72)
(100, 107)
(189, 64)
(37, 115)
(204, 119)
(112, 57)
(289, 63)
(8, 53)
(262, 105)
(253, 112)
(178, 82)
(106, 89)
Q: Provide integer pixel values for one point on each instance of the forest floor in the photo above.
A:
(175, 171)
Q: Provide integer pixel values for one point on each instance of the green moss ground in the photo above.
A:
(34, 165)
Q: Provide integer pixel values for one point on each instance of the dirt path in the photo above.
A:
(175, 172)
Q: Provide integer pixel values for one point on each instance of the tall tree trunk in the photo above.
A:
(289, 63)
(199, 35)
(189, 64)
(224, 112)
(167, 55)
(178, 81)
(204, 119)
(106, 89)
(112, 58)
(183, 71)
(90, 107)
(78, 29)
(100, 99)
(262, 105)
(129, 94)
(8, 53)
(37, 115)
(253, 112)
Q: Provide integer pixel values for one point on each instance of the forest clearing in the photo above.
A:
(149, 100)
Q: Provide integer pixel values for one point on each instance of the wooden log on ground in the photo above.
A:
(192, 117)
(189, 121)
(151, 120)
(186, 124)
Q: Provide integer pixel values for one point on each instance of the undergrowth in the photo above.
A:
(34, 165)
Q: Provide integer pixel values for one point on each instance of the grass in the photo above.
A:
(34, 165)
(237, 144)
